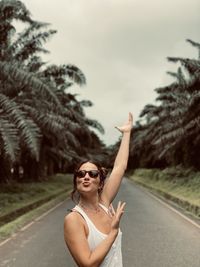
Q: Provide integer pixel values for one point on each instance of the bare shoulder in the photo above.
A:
(74, 221)
(74, 227)
(76, 238)
(73, 218)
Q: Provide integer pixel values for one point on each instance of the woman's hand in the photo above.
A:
(127, 126)
(116, 215)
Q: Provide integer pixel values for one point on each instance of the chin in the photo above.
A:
(87, 190)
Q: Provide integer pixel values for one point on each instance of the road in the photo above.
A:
(153, 236)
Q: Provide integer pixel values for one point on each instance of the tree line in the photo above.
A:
(43, 127)
(168, 132)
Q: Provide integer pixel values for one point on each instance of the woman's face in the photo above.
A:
(88, 178)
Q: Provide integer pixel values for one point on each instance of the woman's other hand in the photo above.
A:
(116, 215)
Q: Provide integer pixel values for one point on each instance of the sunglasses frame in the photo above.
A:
(92, 173)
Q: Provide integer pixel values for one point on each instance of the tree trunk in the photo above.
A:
(5, 170)
(50, 167)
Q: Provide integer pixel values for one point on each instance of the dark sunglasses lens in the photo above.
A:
(93, 174)
(81, 174)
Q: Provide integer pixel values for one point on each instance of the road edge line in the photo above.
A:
(31, 223)
(169, 206)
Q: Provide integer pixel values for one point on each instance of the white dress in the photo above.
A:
(95, 237)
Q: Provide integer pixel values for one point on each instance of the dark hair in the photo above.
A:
(103, 173)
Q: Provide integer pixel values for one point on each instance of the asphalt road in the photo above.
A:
(153, 236)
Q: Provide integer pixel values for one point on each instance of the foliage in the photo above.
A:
(167, 133)
(42, 126)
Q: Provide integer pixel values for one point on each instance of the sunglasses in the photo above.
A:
(92, 173)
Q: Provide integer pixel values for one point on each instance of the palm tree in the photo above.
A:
(169, 131)
(10, 111)
(42, 126)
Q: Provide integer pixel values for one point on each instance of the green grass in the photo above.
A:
(16, 196)
(177, 184)
(21, 203)
(14, 226)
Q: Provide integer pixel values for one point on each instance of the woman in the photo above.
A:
(91, 230)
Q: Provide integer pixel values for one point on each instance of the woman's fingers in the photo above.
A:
(118, 128)
(121, 205)
(116, 215)
(126, 127)
(130, 117)
(119, 210)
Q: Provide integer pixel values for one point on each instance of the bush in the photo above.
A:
(176, 174)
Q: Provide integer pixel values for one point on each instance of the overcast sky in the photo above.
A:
(121, 46)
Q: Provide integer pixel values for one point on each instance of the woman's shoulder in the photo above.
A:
(74, 222)
(73, 217)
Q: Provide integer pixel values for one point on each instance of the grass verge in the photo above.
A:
(22, 203)
(13, 227)
(177, 185)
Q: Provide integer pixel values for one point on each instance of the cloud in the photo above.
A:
(121, 46)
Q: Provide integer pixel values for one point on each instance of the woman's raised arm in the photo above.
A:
(113, 183)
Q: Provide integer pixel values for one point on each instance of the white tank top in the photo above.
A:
(95, 237)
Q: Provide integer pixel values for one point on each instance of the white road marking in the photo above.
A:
(170, 207)
(29, 224)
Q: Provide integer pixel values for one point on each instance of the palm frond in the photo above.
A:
(26, 34)
(75, 74)
(61, 73)
(95, 124)
(169, 97)
(86, 103)
(9, 140)
(169, 88)
(194, 44)
(71, 140)
(14, 9)
(166, 148)
(34, 63)
(172, 135)
(149, 109)
(191, 65)
(29, 131)
(31, 137)
(25, 79)
(32, 45)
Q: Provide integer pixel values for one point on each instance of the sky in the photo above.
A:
(121, 46)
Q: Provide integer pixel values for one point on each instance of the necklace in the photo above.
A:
(95, 210)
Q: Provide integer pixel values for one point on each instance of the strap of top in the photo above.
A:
(81, 211)
(103, 207)
(87, 219)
